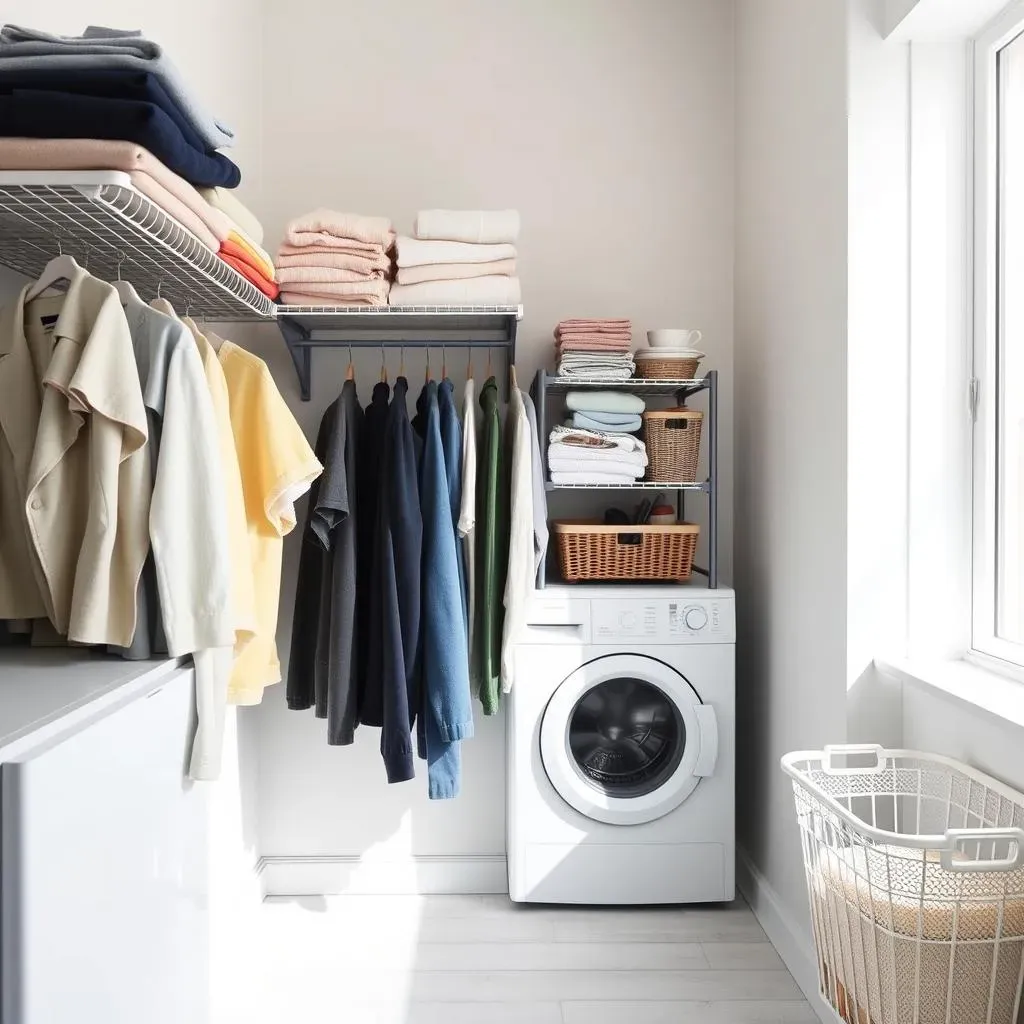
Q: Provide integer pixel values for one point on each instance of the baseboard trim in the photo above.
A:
(788, 938)
(331, 876)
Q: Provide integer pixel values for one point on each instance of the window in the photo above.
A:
(998, 619)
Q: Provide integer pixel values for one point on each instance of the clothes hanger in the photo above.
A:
(125, 290)
(401, 359)
(350, 372)
(383, 366)
(426, 373)
(444, 363)
(469, 363)
(490, 371)
(60, 268)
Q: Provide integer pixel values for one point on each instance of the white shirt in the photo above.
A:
(521, 575)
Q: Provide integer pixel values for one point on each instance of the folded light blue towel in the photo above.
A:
(604, 401)
(615, 423)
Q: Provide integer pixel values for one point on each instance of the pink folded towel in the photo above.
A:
(351, 246)
(301, 277)
(307, 299)
(597, 339)
(337, 258)
(581, 345)
(329, 227)
(620, 325)
(454, 271)
(152, 178)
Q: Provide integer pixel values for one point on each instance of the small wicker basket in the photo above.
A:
(594, 551)
(672, 437)
(666, 369)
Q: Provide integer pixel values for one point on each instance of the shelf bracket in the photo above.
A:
(297, 339)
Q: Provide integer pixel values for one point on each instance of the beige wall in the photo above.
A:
(609, 126)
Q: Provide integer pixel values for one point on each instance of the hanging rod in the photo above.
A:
(307, 328)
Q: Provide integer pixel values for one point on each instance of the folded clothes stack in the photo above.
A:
(577, 456)
(112, 100)
(595, 349)
(329, 258)
(459, 258)
(608, 411)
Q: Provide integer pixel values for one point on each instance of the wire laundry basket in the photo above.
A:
(915, 875)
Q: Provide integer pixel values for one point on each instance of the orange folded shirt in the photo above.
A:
(241, 249)
(251, 274)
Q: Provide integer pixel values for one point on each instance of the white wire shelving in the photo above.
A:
(111, 228)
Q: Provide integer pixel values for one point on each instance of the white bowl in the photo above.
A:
(673, 337)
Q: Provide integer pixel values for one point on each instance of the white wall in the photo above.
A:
(791, 402)
(609, 126)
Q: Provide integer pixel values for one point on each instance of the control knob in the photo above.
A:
(696, 618)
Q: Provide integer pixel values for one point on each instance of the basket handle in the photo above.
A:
(832, 750)
(958, 838)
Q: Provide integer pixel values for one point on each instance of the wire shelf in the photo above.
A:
(99, 218)
(635, 385)
(639, 485)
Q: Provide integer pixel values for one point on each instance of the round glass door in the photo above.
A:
(626, 737)
(620, 739)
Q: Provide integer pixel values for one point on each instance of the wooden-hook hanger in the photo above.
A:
(383, 366)
(350, 372)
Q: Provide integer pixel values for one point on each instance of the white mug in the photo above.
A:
(674, 337)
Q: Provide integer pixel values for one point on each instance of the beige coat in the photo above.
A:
(74, 476)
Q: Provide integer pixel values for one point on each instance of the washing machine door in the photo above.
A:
(625, 739)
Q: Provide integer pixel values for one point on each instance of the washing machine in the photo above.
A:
(621, 747)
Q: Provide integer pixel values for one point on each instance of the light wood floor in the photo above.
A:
(484, 960)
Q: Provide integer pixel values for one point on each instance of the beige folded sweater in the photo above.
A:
(329, 227)
(300, 277)
(225, 200)
(337, 258)
(152, 178)
(455, 271)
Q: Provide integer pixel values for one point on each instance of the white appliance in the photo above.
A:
(621, 727)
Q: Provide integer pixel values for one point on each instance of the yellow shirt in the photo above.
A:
(277, 466)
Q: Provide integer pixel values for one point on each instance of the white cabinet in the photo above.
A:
(103, 855)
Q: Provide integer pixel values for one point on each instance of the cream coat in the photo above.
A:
(74, 473)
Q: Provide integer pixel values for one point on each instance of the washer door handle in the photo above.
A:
(707, 723)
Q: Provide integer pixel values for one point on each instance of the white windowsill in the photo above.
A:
(999, 695)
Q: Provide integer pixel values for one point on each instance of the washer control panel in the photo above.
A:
(668, 620)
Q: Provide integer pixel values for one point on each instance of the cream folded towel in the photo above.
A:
(301, 277)
(468, 225)
(225, 200)
(592, 477)
(595, 439)
(616, 466)
(604, 401)
(597, 421)
(414, 252)
(585, 453)
(455, 271)
(472, 291)
(330, 227)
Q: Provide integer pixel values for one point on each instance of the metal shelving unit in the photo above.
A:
(547, 385)
(114, 230)
(307, 328)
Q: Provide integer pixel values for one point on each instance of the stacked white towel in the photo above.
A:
(577, 456)
(596, 349)
(459, 258)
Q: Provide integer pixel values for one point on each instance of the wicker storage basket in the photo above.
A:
(672, 437)
(666, 369)
(593, 551)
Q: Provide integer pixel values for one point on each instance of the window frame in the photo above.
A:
(986, 645)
